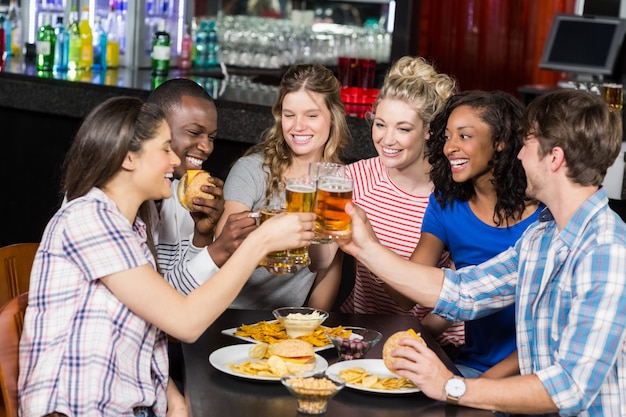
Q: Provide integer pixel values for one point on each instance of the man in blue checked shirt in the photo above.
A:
(566, 275)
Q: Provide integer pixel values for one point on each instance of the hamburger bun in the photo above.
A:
(297, 354)
(190, 186)
(393, 342)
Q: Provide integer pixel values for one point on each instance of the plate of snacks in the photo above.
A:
(264, 362)
(371, 375)
(273, 332)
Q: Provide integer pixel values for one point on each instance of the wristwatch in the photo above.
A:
(455, 388)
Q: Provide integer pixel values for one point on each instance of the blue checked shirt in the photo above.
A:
(570, 305)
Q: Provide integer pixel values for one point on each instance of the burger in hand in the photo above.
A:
(190, 186)
(393, 342)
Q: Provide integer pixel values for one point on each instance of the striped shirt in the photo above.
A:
(83, 352)
(183, 265)
(396, 218)
(569, 287)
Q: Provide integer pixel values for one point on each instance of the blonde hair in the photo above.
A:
(277, 156)
(416, 82)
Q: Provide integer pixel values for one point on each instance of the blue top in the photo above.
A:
(490, 339)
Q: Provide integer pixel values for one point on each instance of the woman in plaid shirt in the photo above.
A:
(93, 341)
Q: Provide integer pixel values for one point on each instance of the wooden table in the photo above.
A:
(210, 392)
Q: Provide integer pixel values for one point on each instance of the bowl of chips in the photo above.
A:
(299, 321)
(312, 391)
(358, 342)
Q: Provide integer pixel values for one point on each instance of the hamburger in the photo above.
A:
(297, 354)
(190, 186)
(393, 342)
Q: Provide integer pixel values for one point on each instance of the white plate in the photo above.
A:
(239, 353)
(232, 330)
(372, 366)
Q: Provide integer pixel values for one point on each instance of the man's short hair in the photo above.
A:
(583, 125)
(169, 94)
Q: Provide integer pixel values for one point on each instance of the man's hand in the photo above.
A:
(207, 212)
(417, 362)
(236, 228)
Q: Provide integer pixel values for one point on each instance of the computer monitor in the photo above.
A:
(584, 45)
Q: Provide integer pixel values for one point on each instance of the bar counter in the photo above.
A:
(41, 113)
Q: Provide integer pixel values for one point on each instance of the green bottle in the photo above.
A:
(161, 50)
(45, 45)
(73, 55)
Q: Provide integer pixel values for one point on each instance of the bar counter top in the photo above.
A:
(244, 108)
(40, 115)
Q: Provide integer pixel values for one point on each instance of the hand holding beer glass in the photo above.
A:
(277, 262)
(300, 197)
(334, 191)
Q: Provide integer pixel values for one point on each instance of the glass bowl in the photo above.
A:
(357, 344)
(299, 321)
(312, 391)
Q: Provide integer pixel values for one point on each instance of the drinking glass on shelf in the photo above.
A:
(277, 262)
(300, 197)
(334, 191)
(613, 94)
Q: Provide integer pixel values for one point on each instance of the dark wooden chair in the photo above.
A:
(16, 263)
(11, 324)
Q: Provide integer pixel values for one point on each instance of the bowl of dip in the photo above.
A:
(300, 321)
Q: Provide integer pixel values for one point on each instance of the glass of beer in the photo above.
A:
(323, 169)
(613, 94)
(300, 197)
(277, 262)
(331, 221)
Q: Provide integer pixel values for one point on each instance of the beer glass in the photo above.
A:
(326, 169)
(331, 221)
(300, 197)
(277, 262)
(613, 94)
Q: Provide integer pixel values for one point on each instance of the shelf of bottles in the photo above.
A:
(132, 22)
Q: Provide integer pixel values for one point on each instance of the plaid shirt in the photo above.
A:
(83, 352)
(571, 305)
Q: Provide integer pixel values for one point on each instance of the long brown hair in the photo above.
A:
(111, 130)
(277, 154)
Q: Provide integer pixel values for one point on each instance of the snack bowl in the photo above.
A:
(360, 341)
(299, 321)
(312, 391)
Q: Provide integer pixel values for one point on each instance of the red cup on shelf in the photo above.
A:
(346, 71)
(366, 72)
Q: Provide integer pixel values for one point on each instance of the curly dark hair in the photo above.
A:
(503, 114)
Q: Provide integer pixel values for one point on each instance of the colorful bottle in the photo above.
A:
(74, 42)
(113, 40)
(99, 46)
(61, 47)
(161, 49)
(45, 45)
(15, 16)
(7, 30)
(120, 14)
(213, 47)
(185, 50)
(3, 50)
(85, 61)
(201, 47)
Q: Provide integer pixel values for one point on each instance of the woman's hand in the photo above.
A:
(287, 231)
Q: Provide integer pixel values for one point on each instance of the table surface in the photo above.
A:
(210, 392)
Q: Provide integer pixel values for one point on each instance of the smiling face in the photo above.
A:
(155, 165)
(194, 128)
(535, 169)
(306, 123)
(398, 133)
(469, 145)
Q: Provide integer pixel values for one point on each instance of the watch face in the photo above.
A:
(455, 387)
